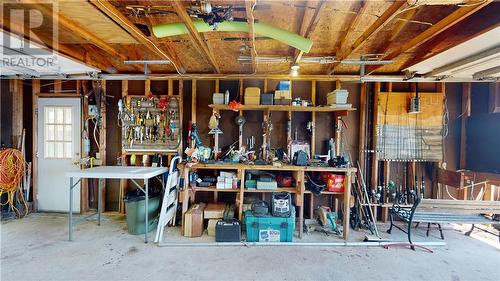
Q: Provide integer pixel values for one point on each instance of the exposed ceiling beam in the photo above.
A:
(81, 32)
(93, 53)
(88, 36)
(380, 23)
(108, 9)
(436, 29)
(198, 41)
(250, 20)
(493, 72)
(360, 10)
(401, 23)
(6, 25)
(307, 27)
(482, 56)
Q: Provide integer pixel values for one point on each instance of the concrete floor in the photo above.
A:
(35, 248)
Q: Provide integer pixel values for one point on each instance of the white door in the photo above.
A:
(59, 142)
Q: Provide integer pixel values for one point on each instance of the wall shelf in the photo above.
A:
(283, 108)
(213, 189)
(279, 189)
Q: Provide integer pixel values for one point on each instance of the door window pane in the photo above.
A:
(50, 132)
(59, 115)
(58, 132)
(67, 115)
(67, 132)
(59, 150)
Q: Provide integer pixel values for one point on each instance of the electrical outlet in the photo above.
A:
(93, 110)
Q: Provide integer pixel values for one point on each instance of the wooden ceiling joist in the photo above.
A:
(362, 5)
(307, 27)
(80, 31)
(108, 9)
(251, 35)
(194, 34)
(389, 14)
(7, 26)
(91, 38)
(436, 29)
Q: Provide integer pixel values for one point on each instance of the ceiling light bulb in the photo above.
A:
(295, 70)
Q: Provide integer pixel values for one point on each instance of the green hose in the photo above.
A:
(262, 29)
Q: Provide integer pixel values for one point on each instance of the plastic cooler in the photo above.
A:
(268, 228)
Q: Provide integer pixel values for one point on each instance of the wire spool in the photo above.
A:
(12, 170)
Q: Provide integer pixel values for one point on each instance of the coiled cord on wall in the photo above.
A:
(12, 170)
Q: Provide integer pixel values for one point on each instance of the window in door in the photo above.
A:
(58, 132)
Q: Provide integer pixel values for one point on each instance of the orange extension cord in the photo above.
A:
(12, 169)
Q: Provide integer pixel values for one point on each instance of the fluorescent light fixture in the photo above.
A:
(286, 59)
(146, 62)
(366, 62)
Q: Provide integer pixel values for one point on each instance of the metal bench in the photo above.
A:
(437, 211)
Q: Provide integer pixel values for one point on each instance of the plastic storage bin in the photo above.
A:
(135, 202)
(267, 99)
(269, 228)
(218, 98)
(252, 96)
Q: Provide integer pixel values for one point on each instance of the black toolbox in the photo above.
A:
(228, 231)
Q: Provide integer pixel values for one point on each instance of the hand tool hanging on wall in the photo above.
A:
(240, 121)
(194, 135)
(422, 188)
(415, 189)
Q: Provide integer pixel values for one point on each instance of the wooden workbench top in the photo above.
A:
(268, 167)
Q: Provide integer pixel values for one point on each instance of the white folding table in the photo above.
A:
(113, 172)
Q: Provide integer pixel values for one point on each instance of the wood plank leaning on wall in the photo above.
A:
(35, 91)
(16, 90)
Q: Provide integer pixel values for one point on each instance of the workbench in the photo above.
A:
(299, 190)
(113, 172)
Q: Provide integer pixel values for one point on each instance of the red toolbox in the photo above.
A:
(334, 182)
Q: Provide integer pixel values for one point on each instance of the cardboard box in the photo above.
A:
(214, 211)
(282, 94)
(193, 221)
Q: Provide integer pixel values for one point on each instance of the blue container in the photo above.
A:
(269, 228)
(284, 85)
